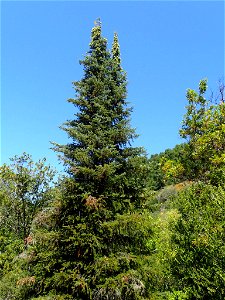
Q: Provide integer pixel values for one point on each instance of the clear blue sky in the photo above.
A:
(166, 47)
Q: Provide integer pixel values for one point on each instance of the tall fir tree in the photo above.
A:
(101, 238)
(97, 157)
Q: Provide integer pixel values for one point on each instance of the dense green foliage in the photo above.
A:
(204, 128)
(168, 167)
(199, 240)
(100, 226)
(25, 189)
(24, 186)
(118, 226)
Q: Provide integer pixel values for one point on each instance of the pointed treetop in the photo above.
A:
(96, 30)
(116, 49)
(98, 22)
(96, 34)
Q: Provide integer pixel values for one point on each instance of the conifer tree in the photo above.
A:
(102, 236)
(97, 157)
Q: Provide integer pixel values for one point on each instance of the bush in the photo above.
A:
(199, 242)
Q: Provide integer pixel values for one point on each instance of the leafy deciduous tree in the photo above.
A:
(203, 127)
(198, 241)
(24, 185)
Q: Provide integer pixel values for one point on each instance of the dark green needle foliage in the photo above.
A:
(98, 158)
(102, 236)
